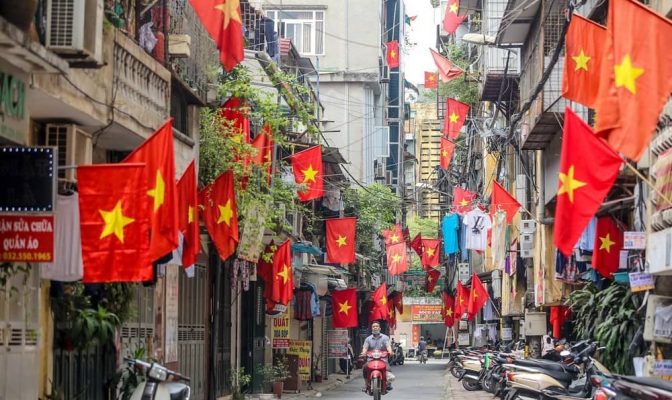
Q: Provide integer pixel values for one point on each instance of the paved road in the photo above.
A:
(413, 382)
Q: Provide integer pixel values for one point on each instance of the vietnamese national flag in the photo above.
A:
(344, 308)
(432, 279)
(392, 54)
(307, 166)
(501, 199)
(223, 21)
(431, 80)
(608, 246)
(233, 110)
(220, 214)
(114, 217)
(430, 253)
(397, 258)
(461, 301)
(159, 158)
(282, 275)
(584, 45)
(588, 169)
(636, 77)
(451, 20)
(456, 115)
(448, 309)
(447, 149)
(462, 199)
(393, 235)
(380, 309)
(187, 205)
(416, 244)
(397, 302)
(478, 296)
(447, 70)
(340, 240)
(263, 143)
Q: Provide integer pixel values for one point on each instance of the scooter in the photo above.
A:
(422, 356)
(376, 379)
(632, 387)
(157, 386)
(472, 373)
(398, 355)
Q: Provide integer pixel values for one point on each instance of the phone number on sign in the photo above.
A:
(25, 256)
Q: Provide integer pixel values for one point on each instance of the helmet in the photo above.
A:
(422, 338)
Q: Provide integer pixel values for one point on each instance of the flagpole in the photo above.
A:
(647, 181)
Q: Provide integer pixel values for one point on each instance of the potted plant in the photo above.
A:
(266, 373)
(239, 379)
(281, 373)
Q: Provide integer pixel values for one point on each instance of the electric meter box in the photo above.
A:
(535, 323)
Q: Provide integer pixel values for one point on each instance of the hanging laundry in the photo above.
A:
(477, 223)
(587, 239)
(450, 227)
(67, 265)
(499, 240)
(464, 252)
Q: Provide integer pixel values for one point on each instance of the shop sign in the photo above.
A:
(302, 349)
(337, 342)
(26, 238)
(463, 339)
(634, 240)
(28, 179)
(641, 281)
(662, 368)
(280, 332)
(427, 313)
(14, 124)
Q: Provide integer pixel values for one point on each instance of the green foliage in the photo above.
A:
(127, 379)
(461, 88)
(271, 373)
(609, 316)
(238, 380)
(94, 325)
(427, 228)
(8, 271)
(376, 208)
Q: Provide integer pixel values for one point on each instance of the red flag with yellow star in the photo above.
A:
(392, 54)
(222, 19)
(608, 246)
(393, 235)
(588, 169)
(636, 76)
(416, 244)
(501, 199)
(233, 111)
(159, 158)
(430, 253)
(447, 70)
(432, 279)
(344, 308)
(187, 205)
(114, 218)
(456, 115)
(451, 20)
(397, 259)
(448, 309)
(307, 166)
(431, 80)
(447, 149)
(380, 309)
(220, 214)
(340, 240)
(583, 59)
(461, 301)
(263, 143)
(462, 199)
(477, 297)
(283, 277)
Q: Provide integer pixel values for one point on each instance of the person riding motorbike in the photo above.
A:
(422, 348)
(377, 341)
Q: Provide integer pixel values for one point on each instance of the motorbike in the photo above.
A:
(472, 373)
(161, 383)
(397, 355)
(376, 377)
(630, 388)
(422, 356)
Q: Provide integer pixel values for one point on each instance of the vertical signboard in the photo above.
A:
(337, 343)
(302, 349)
(280, 331)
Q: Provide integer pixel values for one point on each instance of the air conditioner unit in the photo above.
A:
(75, 29)
(388, 177)
(74, 148)
(385, 75)
(380, 169)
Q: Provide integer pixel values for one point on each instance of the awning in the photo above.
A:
(326, 269)
(301, 247)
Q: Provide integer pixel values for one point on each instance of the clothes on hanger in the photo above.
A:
(67, 265)
(477, 223)
(450, 226)
(499, 240)
(464, 252)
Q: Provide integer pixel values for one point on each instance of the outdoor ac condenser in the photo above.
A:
(75, 29)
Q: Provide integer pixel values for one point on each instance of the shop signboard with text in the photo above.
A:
(26, 238)
(302, 349)
(280, 331)
(426, 313)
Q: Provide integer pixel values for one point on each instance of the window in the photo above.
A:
(304, 28)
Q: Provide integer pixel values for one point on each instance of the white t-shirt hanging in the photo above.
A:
(477, 223)
(499, 240)
(67, 265)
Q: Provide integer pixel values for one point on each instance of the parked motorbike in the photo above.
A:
(633, 388)
(161, 383)
(347, 363)
(472, 373)
(376, 379)
(398, 355)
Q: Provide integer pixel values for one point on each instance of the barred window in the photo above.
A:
(304, 28)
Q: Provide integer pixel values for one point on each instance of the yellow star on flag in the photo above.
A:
(430, 251)
(569, 184)
(383, 300)
(445, 153)
(474, 294)
(309, 174)
(115, 221)
(225, 213)
(581, 61)
(344, 307)
(453, 8)
(230, 10)
(453, 117)
(396, 258)
(460, 299)
(284, 274)
(190, 215)
(431, 78)
(394, 238)
(429, 278)
(393, 54)
(159, 191)
(626, 74)
(341, 241)
(464, 202)
(449, 312)
(606, 243)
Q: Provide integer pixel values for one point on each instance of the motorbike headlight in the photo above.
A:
(158, 372)
(376, 356)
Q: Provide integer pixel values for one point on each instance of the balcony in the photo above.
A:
(494, 60)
